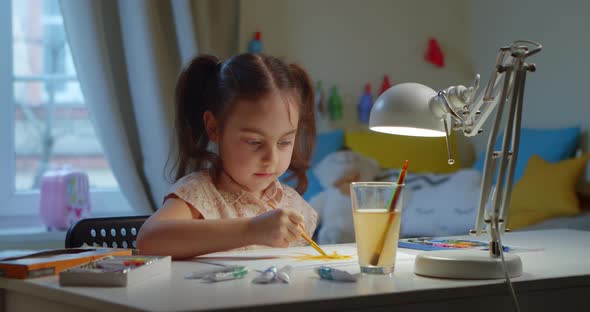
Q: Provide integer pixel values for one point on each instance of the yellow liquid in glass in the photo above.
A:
(369, 226)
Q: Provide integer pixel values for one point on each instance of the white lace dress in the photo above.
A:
(231, 201)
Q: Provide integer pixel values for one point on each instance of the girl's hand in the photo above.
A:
(276, 228)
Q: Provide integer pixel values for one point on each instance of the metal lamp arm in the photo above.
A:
(461, 108)
(469, 109)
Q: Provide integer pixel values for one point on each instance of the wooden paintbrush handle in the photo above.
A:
(313, 244)
(307, 238)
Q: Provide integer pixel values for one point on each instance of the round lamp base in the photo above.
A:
(466, 264)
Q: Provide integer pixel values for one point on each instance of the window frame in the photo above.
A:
(22, 207)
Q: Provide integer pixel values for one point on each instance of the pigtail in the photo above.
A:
(195, 93)
(306, 130)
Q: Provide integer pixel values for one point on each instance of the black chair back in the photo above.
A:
(113, 232)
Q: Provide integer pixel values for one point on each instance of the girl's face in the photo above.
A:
(256, 143)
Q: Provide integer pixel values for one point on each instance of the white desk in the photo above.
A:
(555, 279)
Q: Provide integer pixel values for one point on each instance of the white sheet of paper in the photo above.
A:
(261, 259)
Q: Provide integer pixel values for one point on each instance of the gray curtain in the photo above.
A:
(128, 55)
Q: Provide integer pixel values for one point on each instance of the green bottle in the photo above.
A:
(335, 104)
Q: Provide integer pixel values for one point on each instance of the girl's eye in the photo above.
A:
(253, 142)
(285, 143)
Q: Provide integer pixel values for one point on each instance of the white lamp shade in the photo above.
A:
(404, 109)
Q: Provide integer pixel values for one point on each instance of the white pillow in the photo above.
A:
(440, 204)
(335, 212)
(433, 205)
(338, 163)
(333, 207)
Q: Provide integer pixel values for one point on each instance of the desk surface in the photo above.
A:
(562, 264)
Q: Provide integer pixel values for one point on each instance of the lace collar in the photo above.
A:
(231, 191)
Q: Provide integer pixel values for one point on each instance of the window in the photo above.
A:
(44, 122)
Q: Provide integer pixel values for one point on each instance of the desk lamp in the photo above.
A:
(417, 110)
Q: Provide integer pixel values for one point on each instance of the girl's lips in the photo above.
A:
(263, 175)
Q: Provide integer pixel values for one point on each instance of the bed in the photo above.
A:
(441, 200)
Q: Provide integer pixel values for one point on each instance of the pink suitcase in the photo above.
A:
(65, 198)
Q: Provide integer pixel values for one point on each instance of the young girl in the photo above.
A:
(257, 112)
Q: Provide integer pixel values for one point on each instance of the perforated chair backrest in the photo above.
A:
(115, 232)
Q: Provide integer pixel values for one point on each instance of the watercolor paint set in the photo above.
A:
(429, 243)
(116, 271)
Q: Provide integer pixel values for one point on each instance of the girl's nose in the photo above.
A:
(270, 155)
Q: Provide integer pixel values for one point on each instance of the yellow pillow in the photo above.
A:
(545, 191)
(424, 154)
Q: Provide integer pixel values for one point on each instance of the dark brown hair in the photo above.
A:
(206, 83)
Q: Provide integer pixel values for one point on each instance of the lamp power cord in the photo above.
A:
(507, 276)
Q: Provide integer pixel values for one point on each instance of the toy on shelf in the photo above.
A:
(319, 99)
(365, 105)
(335, 104)
(434, 54)
(385, 84)
(322, 119)
(255, 45)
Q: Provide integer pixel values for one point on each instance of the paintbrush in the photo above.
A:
(392, 203)
(307, 238)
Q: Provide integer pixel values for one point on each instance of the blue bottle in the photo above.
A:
(255, 45)
(365, 105)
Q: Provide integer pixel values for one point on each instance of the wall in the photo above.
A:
(555, 93)
(349, 43)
